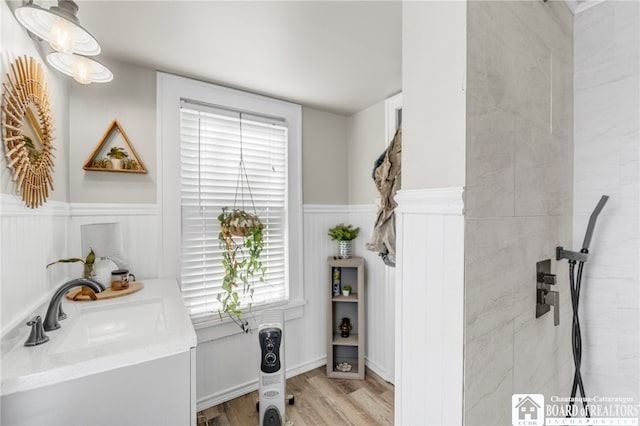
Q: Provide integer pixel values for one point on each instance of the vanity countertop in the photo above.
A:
(99, 336)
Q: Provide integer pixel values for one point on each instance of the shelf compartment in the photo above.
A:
(346, 354)
(338, 340)
(350, 298)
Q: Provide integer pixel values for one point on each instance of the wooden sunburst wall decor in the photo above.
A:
(27, 130)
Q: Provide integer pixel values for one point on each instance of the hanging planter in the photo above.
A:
(238, 223)
(242, 242)
(241, 239)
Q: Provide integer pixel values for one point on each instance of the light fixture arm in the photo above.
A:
(67, 9)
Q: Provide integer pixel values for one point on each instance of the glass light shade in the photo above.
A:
(41, 22)
(84, 70)
(61, 36)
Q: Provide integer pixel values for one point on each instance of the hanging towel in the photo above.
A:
(386, 175)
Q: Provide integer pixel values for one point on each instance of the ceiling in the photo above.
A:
(336, 56)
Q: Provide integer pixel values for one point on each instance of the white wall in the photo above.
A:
(607, 151)
(366, 141)
(430, 225)
(31, 238)
(324, 157)
(131, 99)
(433, 85)
(15, 43)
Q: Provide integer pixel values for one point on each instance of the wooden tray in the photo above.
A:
(107, 294)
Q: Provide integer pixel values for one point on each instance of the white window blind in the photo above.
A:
(210, 140)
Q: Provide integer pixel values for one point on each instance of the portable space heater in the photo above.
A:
(271, 379)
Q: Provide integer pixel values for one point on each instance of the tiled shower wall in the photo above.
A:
(518, 202)
(607, 150)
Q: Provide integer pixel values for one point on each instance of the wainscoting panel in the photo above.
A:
(31, 238)
(429, 307)
(305, 337)
(379, 284)
(139, 226)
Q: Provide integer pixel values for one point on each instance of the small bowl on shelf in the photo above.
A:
(345, 367)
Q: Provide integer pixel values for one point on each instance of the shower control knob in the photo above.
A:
(547, 278)
(552, 298)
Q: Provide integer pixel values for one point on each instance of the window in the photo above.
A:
(210, 148)
(198, 159)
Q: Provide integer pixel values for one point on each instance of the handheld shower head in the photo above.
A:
(592, 222)
(574, 256)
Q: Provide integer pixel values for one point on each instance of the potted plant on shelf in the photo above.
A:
(88, 262)
(241, 239)
(116, 156)
(344, 234)
(346, 290)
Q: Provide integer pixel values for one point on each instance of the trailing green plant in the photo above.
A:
(342, 232)
(88, 263)
(241, 239)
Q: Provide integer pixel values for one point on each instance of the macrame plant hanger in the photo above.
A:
(242, 177)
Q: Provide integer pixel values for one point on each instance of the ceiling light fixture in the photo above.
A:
(60, 27)
(84, 70)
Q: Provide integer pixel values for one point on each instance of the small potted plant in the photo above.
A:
(346, 290)
(344, 234)
(116, 156)
(88, 262)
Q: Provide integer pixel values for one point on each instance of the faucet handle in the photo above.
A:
(552, 298)
(37, 336)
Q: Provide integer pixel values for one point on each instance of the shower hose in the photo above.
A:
(576, 340)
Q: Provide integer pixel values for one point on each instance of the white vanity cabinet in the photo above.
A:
(136, 369)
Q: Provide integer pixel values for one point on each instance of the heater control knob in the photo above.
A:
(270, 359)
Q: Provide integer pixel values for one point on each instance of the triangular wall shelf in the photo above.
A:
(114, 137)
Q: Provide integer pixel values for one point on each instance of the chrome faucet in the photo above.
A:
(54, 311)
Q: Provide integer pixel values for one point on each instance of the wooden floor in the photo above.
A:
(318, 401)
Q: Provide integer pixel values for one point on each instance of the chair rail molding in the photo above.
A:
(429, 306)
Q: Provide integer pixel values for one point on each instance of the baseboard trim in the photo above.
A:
(379, 370)
(250, 386)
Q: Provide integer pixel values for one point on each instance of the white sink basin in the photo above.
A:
(103, 325)
(100, 336)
